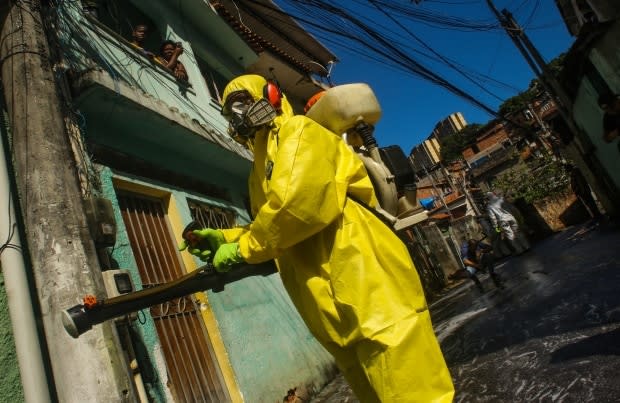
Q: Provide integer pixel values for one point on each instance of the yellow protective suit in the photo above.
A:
(348, 274)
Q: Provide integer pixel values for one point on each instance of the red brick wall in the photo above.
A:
(468, 152)
(498, 133)
(424, 192)
(493, 139)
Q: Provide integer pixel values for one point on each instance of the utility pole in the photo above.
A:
(443, 202)
(460, 187)
(546, 76)
(543, 127)
(575, 150)
(536, 63)
(59, 250)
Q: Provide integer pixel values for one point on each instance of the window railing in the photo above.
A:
(124, 46)
(210, 216)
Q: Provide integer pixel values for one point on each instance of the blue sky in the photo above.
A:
(412, 106)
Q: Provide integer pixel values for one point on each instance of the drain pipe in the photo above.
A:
(28, 349)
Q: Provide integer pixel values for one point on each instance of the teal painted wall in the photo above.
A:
(268, 345)
(605, 56)
(10, 380)
(590, 118)
(149, 351)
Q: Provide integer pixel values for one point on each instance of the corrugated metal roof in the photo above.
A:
(266, 27)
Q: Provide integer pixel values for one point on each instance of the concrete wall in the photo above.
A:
(445, 254)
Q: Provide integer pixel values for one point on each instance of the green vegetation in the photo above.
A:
(536, 180)
(521, 101)
(518, 102)
(453, 146)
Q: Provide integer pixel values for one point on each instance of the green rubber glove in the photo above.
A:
(204, 243)
(227, 256)
(202, 254)
(214, 237)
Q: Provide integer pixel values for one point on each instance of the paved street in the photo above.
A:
(553, 335)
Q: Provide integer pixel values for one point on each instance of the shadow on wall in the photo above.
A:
(537, 227)
(574, 214)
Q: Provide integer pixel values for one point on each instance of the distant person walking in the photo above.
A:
(478, 257)
(505, 224)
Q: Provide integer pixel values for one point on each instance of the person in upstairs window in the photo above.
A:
(138, 37)
(169, 53)
(610, 104)
(348, 274)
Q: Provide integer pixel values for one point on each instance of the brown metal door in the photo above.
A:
(193, 372)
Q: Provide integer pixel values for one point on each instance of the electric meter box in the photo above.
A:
(101, 221)
(118, 282)
(343, 106)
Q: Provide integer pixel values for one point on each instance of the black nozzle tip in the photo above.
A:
(76, 321)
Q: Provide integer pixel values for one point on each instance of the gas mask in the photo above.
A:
(245, 119)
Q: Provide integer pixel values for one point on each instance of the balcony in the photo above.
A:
(130, 102)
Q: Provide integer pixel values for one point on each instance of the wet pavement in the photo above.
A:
(553, 335)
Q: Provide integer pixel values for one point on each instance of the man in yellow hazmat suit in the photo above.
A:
(348, 274)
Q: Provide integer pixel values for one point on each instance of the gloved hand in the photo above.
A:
(214, 237)
(202, 254)
(226, 256)
(202, 243)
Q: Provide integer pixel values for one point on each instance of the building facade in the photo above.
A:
(425, 156)
(114, 154)
(449, 126)
(591, 69)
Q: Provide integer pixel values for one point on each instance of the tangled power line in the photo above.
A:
(383, 31)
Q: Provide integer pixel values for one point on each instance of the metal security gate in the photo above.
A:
(193, 372)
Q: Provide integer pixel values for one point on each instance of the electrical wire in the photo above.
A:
(377, 43)
(451, 65)
(322, 15)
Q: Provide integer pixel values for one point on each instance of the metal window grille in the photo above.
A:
(210, 216)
